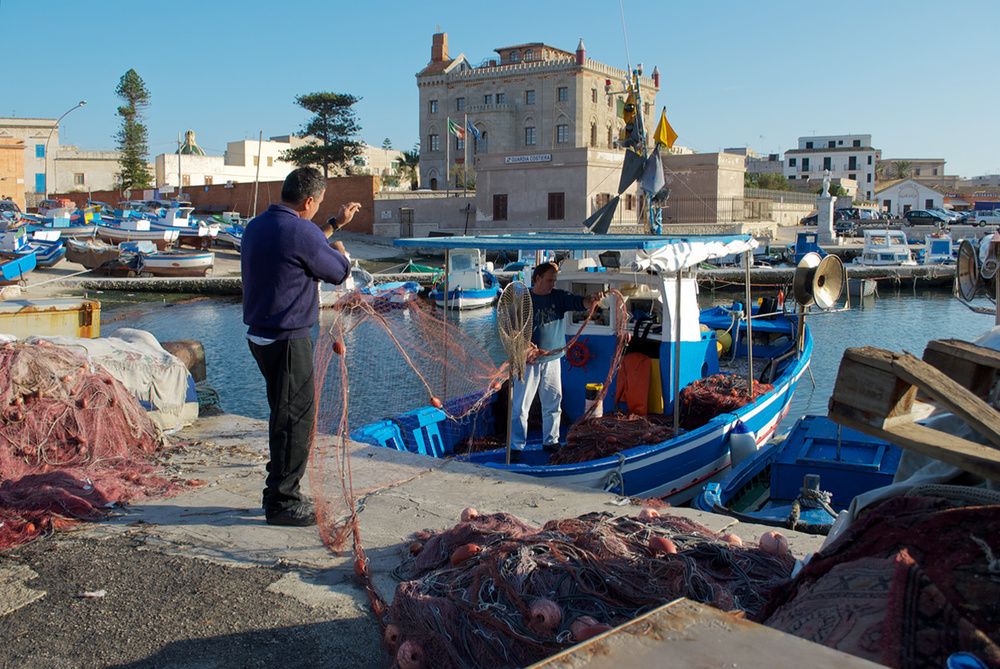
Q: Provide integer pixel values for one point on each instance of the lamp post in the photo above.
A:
(45, 195)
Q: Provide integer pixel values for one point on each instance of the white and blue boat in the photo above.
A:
(47, 248)
(469, 284)
(804, 480)
(657, 282)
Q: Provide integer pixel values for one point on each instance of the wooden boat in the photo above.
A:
(46, 246)
(66, 228)
(469, 285)
(91, 253)
(938, 249)
(176, 263)
(136, 229)
(804, 479)
(190, 231)
(653, 289)
(13, 266)
(885, 247)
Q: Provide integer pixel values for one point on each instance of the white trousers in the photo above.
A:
(546, 380)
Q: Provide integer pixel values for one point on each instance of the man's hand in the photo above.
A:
(591, 300)
(346, 214)
(534, 353)
(339, 246)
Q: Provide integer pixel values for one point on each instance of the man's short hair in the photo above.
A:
(544, 268)
(301, 184)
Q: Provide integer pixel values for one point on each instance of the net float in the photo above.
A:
(658, 544)
(360, 568)
(545, 615)
(416, 547)
(391, 637)
(774, 543)
(469, 513)
(731, 538)
(338, 347)
(411, 656)
(648, 514)
(463, 553)
(436, 403)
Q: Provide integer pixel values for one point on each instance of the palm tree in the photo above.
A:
(409, 167)
(902, 168)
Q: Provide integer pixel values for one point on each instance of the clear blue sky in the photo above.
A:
(919, 76)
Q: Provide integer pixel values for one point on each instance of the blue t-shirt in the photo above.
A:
(547, 328)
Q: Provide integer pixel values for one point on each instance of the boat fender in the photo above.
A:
(742, 443)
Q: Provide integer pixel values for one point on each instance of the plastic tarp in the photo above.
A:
(159, 380)
(684, 254)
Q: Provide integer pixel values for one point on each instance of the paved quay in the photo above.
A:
(201, 580)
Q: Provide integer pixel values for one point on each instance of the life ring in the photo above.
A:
(577, 355)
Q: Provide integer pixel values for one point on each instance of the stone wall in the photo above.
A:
(241, 197)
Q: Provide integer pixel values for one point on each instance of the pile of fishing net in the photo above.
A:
(600, 436)
(494, 591)
(73, 442)
(706, 398)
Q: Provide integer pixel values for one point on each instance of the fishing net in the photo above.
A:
(73, 442)
(514, 323)
(703, 400)
(494, 591)
(385, 366)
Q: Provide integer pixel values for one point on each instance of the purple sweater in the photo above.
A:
(282, 258)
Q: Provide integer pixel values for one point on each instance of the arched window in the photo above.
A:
(482, 144)
(611, 137)
(593, 135)
(513, 56)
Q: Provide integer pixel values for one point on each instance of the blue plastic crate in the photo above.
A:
(421, 430)
(383, 433)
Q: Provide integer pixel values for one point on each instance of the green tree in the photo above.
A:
(132, 136)
(902, 168)
(409, 167)
(387, 144)
(771, 181)
(334, 124)
(836, 190)
(460, 172)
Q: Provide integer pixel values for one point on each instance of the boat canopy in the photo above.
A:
(656, 252)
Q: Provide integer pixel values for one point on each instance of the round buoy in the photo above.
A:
(742, 443)
(724, 339)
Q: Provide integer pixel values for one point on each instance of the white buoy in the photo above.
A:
(742, 443)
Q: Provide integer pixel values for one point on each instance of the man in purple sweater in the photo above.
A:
(283, 256)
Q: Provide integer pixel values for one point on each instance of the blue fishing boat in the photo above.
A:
(466, 283)
(657, 297)
(805, 479)
(13, 266)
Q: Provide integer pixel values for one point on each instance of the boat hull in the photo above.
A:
(161, 238)
(465, 299)
(177, 264)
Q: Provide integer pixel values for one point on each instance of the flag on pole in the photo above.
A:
(664, 134)
(474, 130)
(456, 129)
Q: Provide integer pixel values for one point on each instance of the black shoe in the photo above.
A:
(515, 457)
(552, 448)
(301, 514)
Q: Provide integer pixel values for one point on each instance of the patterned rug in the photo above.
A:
(910, 583)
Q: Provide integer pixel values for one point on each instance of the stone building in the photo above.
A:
(844, 156)
(548, 124)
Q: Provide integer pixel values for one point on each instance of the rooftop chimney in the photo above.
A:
(581, 53)
(439, 48)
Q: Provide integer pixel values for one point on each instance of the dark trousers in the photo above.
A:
(287, 366)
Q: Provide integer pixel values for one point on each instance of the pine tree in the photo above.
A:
(334, 124)
(133, 136)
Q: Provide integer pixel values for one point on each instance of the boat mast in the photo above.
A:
(256, 180)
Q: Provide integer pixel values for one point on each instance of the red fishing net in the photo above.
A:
(73, 442)
(494, 591)
(703, 400)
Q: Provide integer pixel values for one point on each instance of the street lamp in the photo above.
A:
(56, 125)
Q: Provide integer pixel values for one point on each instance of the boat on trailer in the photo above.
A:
(466, 283)
(655, 276)
(804, 479)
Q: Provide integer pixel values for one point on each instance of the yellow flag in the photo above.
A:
(664, 134)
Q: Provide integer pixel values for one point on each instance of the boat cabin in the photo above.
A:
(885, 247)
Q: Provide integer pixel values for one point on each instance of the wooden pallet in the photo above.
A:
(876, 392)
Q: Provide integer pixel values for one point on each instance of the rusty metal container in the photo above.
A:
(72, 317)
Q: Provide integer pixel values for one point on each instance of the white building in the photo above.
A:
(238, 165)
(898, 197)
(844, 156)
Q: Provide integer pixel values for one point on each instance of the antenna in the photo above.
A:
(628, 59)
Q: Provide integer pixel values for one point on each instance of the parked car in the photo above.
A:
(951, 215)
(984, 217)
(810, 219)
(10, 213)
(813, 218)
(925, 217)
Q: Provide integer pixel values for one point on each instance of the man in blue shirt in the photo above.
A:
(283, 256)
(543, 374)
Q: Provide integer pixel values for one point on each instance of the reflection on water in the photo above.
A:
(903, 321)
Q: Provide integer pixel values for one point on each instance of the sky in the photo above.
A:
(918, 76)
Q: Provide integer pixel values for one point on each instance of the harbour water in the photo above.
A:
(898, 321)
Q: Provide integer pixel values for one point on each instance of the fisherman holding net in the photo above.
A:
(284, 253)
(543, 374)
